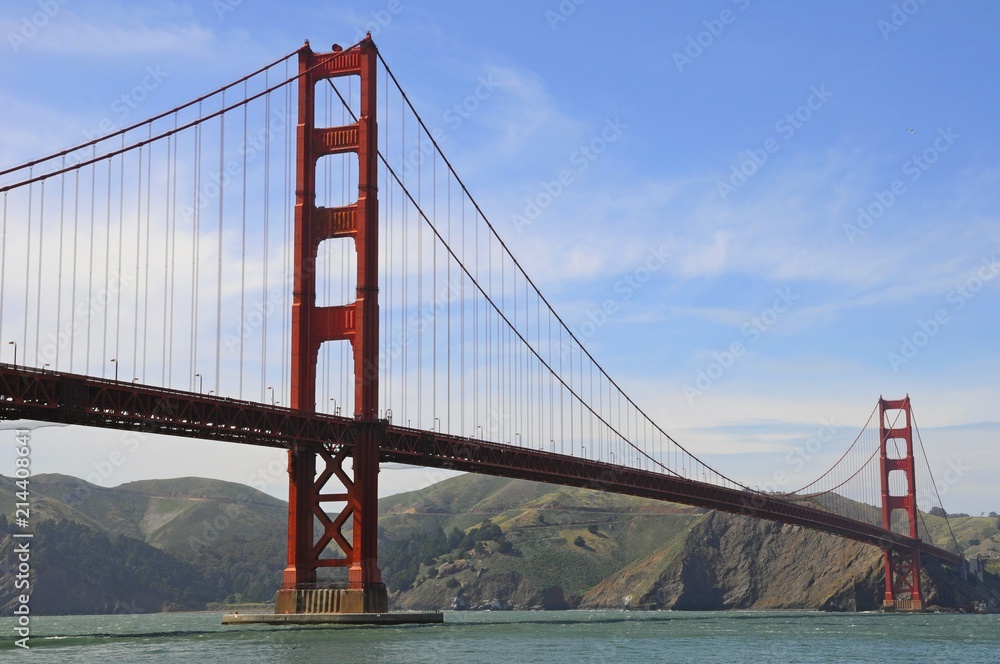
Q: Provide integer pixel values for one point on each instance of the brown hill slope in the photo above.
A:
(573, 548)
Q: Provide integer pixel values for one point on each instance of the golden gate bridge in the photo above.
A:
(297, 242)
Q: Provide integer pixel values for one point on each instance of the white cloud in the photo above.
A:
(524, 114)
(114, 34)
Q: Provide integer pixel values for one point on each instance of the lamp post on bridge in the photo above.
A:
(14, 344)
(114, 361)
(201, 382)
(272, 394)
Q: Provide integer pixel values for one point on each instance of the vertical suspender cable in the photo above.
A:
(345, 250)
(266, 241)
(173, 256)
(541, 376)
(405, 279)
(448, 299)
(327, 281)
(432, 312)
(90, 263)
(420, 293)
(219, 248)
(149, 228)
(475, 330)
(62, 211)
(389, 264)
(41, 254)
(196, 255)
(138, 238)
(167, 239)
(512, 362)
(461, 330)
(287, 209)
(107, 271)
(27, 268)
(341, 347)
(491, 355)
(120, 284)
(241, 332)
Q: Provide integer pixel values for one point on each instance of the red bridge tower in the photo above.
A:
(356, 322)
(902, 566)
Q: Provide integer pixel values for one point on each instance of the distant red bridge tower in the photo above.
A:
(902, 566)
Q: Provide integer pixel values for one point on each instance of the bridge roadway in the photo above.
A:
(27, 393)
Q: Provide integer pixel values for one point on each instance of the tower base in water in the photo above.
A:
(332, 600)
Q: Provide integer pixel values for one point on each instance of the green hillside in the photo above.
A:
(559, 537)
(470, 542)
(44, 506)
(481, 542)
(233, 535)
(78, 569)
(976, 535)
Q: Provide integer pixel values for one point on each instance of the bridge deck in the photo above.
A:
(82, 400)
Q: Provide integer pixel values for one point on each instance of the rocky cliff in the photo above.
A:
(572, 548)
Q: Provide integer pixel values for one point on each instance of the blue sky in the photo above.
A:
(792, 207)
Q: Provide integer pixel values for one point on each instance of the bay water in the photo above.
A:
(519, 636)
